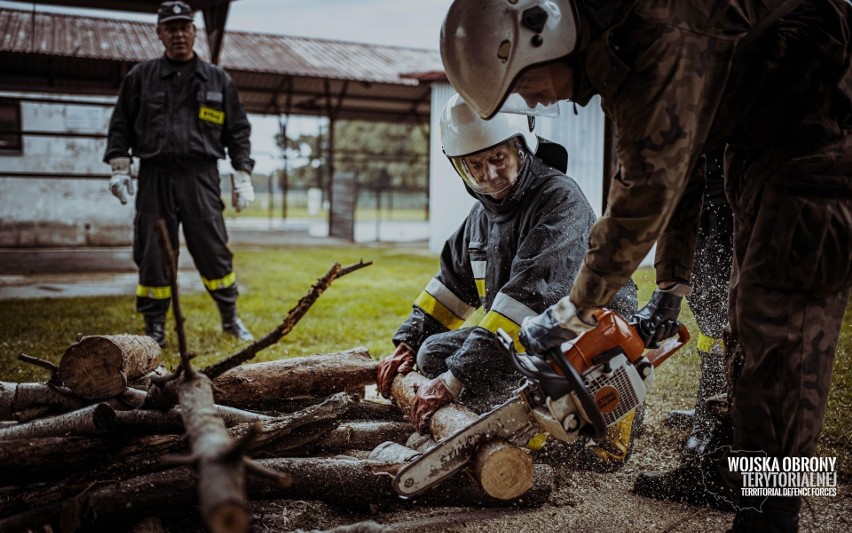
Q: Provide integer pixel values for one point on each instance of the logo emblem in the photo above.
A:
(176, 9)
(607, 399)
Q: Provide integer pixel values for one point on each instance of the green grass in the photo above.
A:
(363, 308)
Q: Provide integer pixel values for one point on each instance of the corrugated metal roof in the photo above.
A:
(51, 34)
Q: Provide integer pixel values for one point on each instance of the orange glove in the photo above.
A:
(429, 398)
(401, 362)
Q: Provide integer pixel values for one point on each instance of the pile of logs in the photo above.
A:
(112, 438)
(75, 456)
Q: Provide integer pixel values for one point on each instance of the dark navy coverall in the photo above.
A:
(178, 118)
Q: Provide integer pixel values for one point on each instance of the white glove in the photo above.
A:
(120, 180)
(242, 191)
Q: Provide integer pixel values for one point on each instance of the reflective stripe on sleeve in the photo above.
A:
(507, 313)
(438, 311)
(448, 299)
(155, 293)
(221, 283)
(493, 320)
(511, 308)
(443, 305)
(478, 269)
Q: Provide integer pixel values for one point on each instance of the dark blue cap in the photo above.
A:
(173, 10)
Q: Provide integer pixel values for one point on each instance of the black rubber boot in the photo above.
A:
(698, 483)
(711, 382)
(710, 405)
(232, 325)
(765, 521)
(155, 327)
(697, 480)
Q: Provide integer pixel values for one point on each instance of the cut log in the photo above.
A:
(502, 469)
(221, 472)
(373, 410)
(263, 386)
(19, 397)
(365, 435)
(99, 367)
(507, 468)
(149, 422)
(342, 482)
(393, 453)
(30, 460)
(36, 460)
(91, 420)
(230, 415)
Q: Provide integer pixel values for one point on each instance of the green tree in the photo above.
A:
(382, 154)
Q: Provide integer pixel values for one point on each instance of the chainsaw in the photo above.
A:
(577, 390)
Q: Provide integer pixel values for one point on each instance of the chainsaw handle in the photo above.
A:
(575, 382)
(579, 388)
(668, 347)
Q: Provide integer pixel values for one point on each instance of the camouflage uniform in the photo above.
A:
(676, 83)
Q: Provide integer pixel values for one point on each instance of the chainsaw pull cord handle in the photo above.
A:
(586, 400)
(668, 347)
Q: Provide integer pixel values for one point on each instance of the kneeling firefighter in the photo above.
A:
(515, 254)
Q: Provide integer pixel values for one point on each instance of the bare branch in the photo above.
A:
(286, 326)
(283, 480)
(52, 368)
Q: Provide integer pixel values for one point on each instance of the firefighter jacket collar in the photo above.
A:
(527, 181)
(169, 67)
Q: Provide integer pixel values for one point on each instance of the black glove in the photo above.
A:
(539, 334)
(658, 319)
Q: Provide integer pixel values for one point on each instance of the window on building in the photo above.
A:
(10, 127)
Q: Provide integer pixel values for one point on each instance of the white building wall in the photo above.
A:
(449, 201)
(61, 210)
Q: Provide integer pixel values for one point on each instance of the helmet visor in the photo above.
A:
(534, 93)
(491, 171)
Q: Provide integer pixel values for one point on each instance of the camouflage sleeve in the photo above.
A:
(662, 102)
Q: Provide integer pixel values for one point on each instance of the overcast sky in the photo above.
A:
(413, 23)
(410, 23)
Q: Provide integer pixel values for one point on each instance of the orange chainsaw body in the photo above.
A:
(612, 332)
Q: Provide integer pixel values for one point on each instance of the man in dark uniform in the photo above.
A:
(709, 299)
(768, 80)
(515, 254)
(177, 114)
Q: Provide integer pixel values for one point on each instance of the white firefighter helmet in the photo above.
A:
(490, 46)
(465, 137)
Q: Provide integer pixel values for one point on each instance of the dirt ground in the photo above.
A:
(581, 501)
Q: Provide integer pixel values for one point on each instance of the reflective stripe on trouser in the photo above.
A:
(189, 196)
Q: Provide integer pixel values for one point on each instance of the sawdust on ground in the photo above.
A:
(581, 501)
